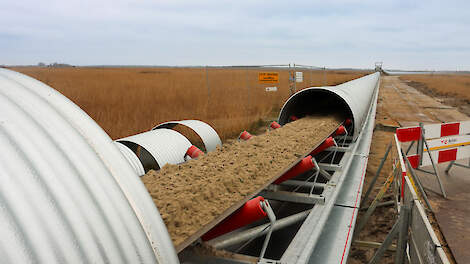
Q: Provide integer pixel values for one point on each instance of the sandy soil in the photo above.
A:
(190, 196)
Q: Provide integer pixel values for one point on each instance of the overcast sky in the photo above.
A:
(402, 34)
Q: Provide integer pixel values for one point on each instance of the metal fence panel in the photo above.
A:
(424, 244)
(413, 251)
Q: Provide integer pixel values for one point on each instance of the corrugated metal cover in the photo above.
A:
(209, 136)
(165, 145)
(132, 158)
(67, 194)
(356, 94)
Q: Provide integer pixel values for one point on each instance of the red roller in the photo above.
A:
(250, 212)
(194, 152)
(341, 130)
(326, 144)
(245, 135)
(304, 165)
(348, 122)
(293, 118)
(275, 125)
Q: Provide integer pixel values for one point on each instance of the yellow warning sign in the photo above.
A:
(268, 77)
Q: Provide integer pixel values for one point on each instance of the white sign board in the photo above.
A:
(271, 89)
(299, 76)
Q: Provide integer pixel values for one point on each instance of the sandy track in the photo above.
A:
(190, 196)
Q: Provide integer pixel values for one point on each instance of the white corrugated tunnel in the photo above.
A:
(350, 99)
(67, 193)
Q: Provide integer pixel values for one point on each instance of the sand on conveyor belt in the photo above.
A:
(193, 194)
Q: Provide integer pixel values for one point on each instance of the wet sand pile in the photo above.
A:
(189, 196)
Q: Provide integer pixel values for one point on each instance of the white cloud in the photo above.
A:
(404, 34)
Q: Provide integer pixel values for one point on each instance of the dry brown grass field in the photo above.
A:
(444, 84)
(126, 101)
(449, 89)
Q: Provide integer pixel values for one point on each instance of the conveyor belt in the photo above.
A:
(191, 195)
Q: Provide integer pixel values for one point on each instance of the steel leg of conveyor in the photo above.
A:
(293, 197)
(234, 238)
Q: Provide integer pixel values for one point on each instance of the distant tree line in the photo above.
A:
(55, 65)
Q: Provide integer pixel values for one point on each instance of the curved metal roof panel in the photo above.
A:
(67, 194)
(209, 136)
(165, 145)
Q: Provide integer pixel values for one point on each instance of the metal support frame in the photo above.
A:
(397, 189)
(415, 232)
(419, 151)
(272, 219)
(419, 146)
(371, 244)
(409, 147)
(386, 244)
(377, 173)
(403, 233)
(329, 167)
(324, 173)
(342, 145)
(339, 149)
(273, 192)
(334, 152)
(377, 199)
(454, 163)
(292, 80)
(387, 203)
(306, 184)
(231, 239)
(418, 182)
(348, 137)
(293, 197)
(400, 228)
(436, 172)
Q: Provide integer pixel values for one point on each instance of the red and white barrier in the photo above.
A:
(446, 129)
(437, 143)
(441, 156)
(446, 142)
(402, 163)
(407, 134)
(432, 131)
